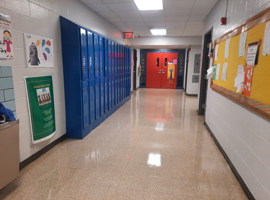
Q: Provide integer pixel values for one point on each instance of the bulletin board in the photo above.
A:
(255, 91)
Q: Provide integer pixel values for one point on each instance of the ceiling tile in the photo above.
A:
(179, 17)
(175, 5)
(122, 6)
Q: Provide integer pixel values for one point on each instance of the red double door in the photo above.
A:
(161, 70)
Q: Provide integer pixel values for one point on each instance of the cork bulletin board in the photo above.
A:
(242, 60)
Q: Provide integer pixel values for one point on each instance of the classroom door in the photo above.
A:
(169, 70)
(154, 73)
(161, 70)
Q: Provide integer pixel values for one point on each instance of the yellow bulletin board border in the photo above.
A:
(247, 102)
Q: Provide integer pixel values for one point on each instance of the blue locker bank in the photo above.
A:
(96, 74)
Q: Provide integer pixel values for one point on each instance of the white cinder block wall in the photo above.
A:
(41, 17)
(244, 135)
(192, 88)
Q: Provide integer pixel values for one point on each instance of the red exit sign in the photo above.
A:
(128, 35)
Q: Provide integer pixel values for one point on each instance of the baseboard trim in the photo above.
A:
(234, 170)
(191, 95)
(35, 156)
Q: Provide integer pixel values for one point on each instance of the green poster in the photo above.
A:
(41, 107)
(214, 71)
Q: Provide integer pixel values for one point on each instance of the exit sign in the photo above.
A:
(128, 35)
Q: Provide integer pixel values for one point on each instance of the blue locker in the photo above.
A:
(116, 90)
(91, 64)
(85, 104)
(113, 55)
(119, 89)
(101, 57)
(106, 95)
(106, 57)
(113, 94)
(96, 48)
(102, 96)
(92, 103)
(110, 93)
(84, 54)
(97, 99)
(109, 57)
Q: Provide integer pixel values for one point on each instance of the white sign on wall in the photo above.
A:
(39, 51)
(6, 42)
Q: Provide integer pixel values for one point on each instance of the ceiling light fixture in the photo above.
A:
(158, 31)
(149, 4)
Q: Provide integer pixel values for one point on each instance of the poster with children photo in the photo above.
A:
(39, 51)
(6, 44)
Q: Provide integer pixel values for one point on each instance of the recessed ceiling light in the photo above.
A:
(158, 31)
(149, 4)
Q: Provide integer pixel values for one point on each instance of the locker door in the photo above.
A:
(113, 55)
(92, 101)
(101, 57)
(102, 96)
(119, 91)
(96, 47)
(91, 64)
(110, 93)
(116, 60)
(113, 94)
(97, 99)
(106, 94)
(106, 48)
(85, 103)
(84, 54)
(109, 57)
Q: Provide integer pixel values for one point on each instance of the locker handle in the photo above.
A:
(83, 91)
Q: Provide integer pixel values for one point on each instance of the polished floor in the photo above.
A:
(155, 147)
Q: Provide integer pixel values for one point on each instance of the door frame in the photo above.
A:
(205, 64)
(145, 51)
(134, 69)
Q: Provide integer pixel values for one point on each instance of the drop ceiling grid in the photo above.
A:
(180, 17)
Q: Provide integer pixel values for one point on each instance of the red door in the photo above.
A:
(161, 70)
(153, 79)
(169, 70)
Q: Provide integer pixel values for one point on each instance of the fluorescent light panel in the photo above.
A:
(158, 31)
(149, 4)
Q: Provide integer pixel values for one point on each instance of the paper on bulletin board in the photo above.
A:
(217, 71)
(216, 52)
(227, 48)
(242, 44)
(39, 51)
(248, 81)
(6, 41)
(252, 51)
(240, 79)
(266, 40)
(224, 72)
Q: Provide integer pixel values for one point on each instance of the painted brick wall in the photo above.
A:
(6, 88)
(244, 135)
(41, 17)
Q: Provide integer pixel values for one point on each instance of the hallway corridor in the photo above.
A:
(155, 147)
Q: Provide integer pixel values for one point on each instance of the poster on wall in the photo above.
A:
(6, 42)
(41, 107)
(39, 51)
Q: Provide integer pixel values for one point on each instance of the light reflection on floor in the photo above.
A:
(155, 147)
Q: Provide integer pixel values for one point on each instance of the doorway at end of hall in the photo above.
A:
(164, 69)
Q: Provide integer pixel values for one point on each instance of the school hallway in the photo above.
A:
(155, 147)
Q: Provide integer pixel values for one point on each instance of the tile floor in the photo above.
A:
(155, 147)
